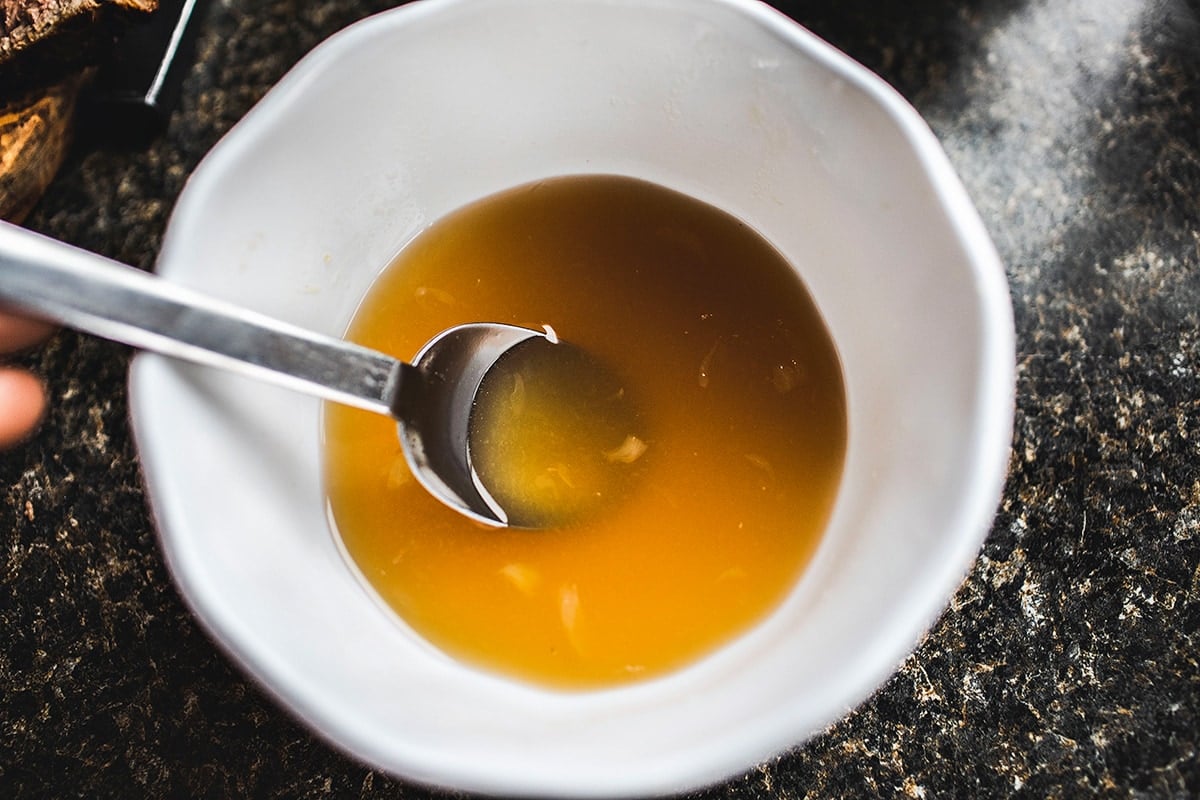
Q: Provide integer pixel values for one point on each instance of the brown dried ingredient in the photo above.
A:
(34, 135)
(47, 48)
(24, 23)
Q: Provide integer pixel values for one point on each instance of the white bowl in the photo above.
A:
(415, 112)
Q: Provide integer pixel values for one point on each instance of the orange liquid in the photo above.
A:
(741, 441)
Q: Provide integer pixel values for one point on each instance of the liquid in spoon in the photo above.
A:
(555, 434)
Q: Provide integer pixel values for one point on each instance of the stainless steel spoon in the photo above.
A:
(431, 398)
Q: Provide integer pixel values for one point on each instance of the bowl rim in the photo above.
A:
(991, 448)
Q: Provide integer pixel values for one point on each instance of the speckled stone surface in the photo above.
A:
(1066, 664)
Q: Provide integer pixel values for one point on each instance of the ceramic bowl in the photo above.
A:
(415, 112)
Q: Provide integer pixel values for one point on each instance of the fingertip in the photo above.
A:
(22, 405)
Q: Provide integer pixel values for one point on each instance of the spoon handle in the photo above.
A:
(92, 294)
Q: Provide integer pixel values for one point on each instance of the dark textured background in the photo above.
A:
(1066, 665)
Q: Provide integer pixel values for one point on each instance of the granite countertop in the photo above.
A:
(1066, 664)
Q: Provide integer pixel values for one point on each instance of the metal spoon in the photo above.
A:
(432, 398)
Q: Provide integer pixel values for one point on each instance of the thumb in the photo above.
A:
(22, 403)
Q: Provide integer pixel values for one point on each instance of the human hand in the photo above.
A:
(22, 396)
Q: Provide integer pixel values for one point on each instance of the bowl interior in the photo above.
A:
(413, 113)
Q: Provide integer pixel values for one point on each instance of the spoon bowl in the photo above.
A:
(435, 413)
